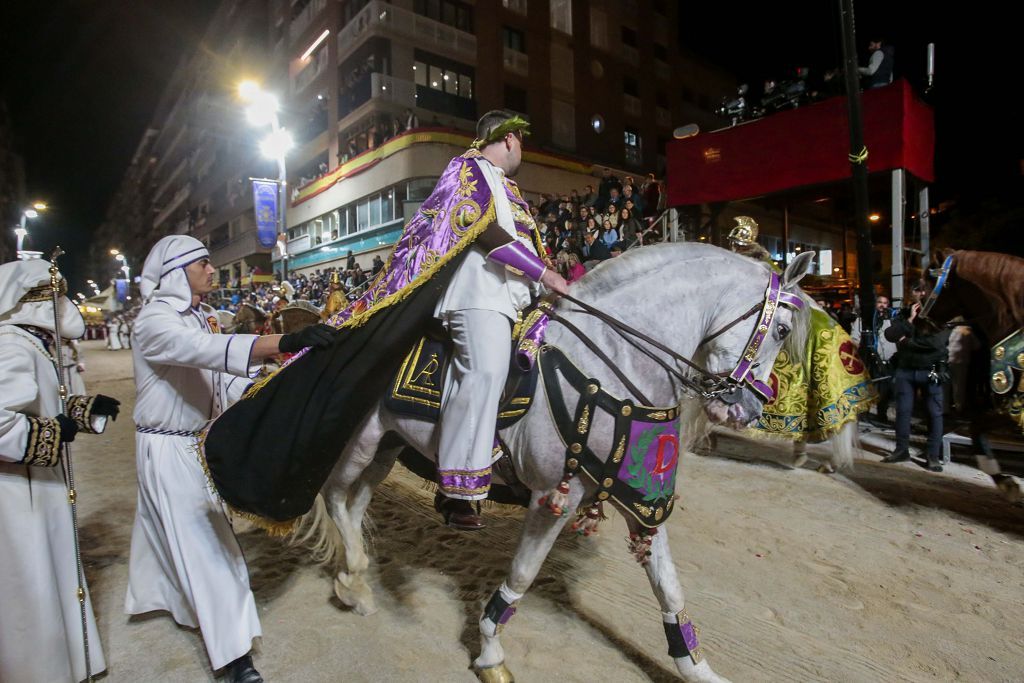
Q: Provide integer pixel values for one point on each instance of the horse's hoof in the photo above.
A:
(798, 461)
(355, 593)
(826, 468)
(498, 673)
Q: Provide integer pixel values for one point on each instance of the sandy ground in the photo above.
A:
(886, 574)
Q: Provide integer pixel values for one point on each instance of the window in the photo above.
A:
(514, 39)
(443, 85)
(598, 29)
(660, 52)
(629, 36)
(419, 73)
(562, 71)
(419, 189)
(630, 86)
(518, 6)
(515, 99)
(563, 124)
(561, 15)
(634, 153)
(450, 12)
(436, 78)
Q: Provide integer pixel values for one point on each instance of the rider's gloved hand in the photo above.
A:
(317, 336)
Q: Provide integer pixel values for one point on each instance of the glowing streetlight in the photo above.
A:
(22, 231)
(277, 144)
(874, 218)
(114, 252)
(261, 110)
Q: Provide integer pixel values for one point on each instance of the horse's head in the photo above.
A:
(743, 348)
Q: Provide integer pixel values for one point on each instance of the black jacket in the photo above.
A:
(598, 250)
(918, 350)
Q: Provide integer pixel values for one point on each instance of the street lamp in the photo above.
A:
(261, 110)
(22, 232)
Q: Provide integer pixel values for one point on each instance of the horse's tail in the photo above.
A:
(317, 532)
(845, 443)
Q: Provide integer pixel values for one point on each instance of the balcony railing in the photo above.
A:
(179, 197)
(384, 18)
(517, 62)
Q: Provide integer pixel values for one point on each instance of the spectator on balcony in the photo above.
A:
(651, 191)
(589, 197)
(611, 215)
(604, 190)
(609, 235)
(629, 226)
(614, 199)
(412, 121)
(594, 249)
(378, 264)
(630, 194)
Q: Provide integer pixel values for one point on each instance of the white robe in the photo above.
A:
(40, 619)
(184, 556)
(113, 339)
(476, 307)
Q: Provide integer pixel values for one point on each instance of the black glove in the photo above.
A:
(317, 336)
(106, 406)
(68, 428)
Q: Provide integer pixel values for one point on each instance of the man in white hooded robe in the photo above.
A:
(40, 615)
(185, 558)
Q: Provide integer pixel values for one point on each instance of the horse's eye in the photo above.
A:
(783, 331)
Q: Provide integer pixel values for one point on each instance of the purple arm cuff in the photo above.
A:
(518, 256)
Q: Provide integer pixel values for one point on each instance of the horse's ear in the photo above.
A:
(797, 269)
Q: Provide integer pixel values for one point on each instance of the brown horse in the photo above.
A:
(987, 289)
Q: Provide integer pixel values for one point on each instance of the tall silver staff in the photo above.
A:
(69, 471)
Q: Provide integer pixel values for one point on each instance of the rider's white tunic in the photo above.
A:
(40, 619)
(184, 555)
(478, 308)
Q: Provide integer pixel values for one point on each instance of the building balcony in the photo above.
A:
(517, 62)
(381, 18)
(237, 248)
(405, 94)
(662, 70)
(306, 16)
(179, 197)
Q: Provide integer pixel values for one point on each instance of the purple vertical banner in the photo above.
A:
(264, 200)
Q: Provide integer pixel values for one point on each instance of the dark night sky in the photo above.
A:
(82, 78)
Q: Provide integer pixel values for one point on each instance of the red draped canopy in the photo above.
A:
(805, 146)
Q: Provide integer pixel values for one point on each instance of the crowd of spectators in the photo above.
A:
(578, 231)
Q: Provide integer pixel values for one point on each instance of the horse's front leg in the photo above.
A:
(679, 630)
(540, 529)
(987, 463)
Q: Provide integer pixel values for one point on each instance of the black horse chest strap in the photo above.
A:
(640, 472)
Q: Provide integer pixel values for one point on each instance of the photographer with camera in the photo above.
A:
(920, 362)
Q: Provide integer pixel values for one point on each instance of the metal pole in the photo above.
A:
(282, 197)
(69, 472)
(925, 216)
(898, 190)
(673, 223)
(859, 172)
(785, 236)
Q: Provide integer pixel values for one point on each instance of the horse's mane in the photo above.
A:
(1000, 277)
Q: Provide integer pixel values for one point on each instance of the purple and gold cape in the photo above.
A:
(269, 454)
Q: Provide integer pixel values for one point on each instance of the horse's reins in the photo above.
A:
(711, 385)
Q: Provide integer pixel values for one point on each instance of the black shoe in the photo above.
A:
(898, 456)
(458, 514)
(242, 671)
(934, 467)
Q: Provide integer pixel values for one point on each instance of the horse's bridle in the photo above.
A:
(710, 385)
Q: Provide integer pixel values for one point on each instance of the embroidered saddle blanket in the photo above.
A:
(640, 473)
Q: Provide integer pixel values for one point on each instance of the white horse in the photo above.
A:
(679, 294)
